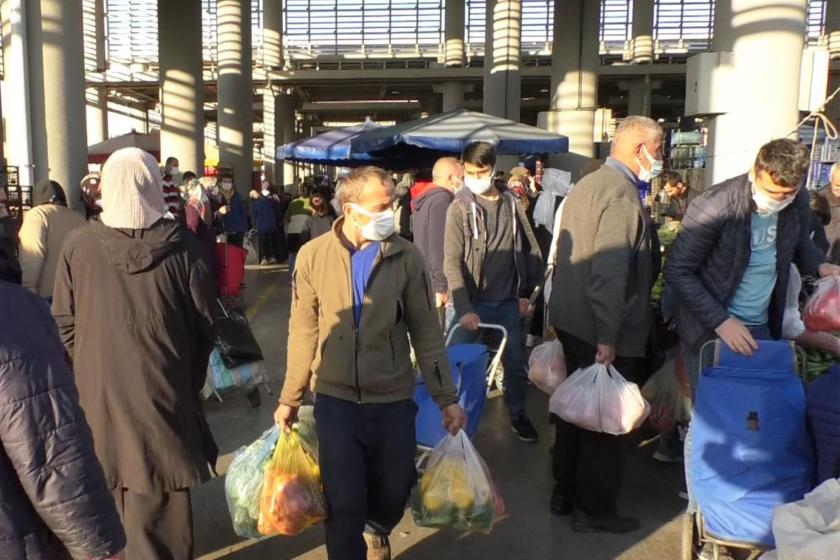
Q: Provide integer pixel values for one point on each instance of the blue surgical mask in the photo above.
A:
(654, 170)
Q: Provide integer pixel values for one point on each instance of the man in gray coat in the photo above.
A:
(600, 309)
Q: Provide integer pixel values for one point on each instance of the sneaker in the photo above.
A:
(264, 262)
(585, 523)
(523, 428)
(378, 547)
(683, 494)
(560, 504)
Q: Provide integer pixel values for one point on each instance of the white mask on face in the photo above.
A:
(265, 192)
(480, 185)
(381, 225)
(655, 169)
(174, 171)
(766, 205)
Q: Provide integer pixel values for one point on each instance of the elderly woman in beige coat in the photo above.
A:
(42, 235)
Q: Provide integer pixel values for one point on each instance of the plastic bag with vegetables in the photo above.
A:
(292, 499)
(823, 310)
(456, 489)
(244, 482)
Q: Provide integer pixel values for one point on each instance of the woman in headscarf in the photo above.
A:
(198, 215)
(556, 185)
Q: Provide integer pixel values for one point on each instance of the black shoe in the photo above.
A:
(585, 523)
(523, 428)
(560, 504)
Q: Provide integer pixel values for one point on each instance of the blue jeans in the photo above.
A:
(506, 314)
(692, 367)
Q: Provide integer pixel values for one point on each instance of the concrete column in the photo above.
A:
(766, 39)
(278, 129)
(502, 59)
(574, 79)
(235, 99)
(832, 31)
(57, 93)
(181, 83)
(452, 94)
(642, 31)
(97, 115)
(17, 134)
(273, 58)
(283, 131)
(639, 95)
(454, 33)
(95, 51)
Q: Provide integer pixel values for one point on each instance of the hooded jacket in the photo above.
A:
(428, 223)
(134, 311)
(54, 497)
(465, 247)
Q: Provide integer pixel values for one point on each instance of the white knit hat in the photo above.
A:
(132, 194)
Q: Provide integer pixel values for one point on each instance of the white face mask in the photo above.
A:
(480, 185)
(381, 225)
(655, 169)
(766, 205)
(174, 171)
(265, 192)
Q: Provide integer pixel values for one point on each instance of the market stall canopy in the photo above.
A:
(329, 148)
(452, 132)
(98, 153)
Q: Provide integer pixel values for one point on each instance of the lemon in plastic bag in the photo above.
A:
(456, 489)
(292, 499)
(244, 482)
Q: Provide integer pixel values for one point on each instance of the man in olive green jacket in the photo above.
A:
(359, 292)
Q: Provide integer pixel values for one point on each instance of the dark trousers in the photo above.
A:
(589, 466)
(157, 526)
(366, 455)
(266, 246)
(281, 252)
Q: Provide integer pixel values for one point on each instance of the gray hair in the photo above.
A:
(350, 187)
(834, 168)
(636, 124)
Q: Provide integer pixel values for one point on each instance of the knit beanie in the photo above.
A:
(132, 195)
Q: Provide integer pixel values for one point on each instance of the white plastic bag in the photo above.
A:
(547, 366)
(809, 529)
(600, 399)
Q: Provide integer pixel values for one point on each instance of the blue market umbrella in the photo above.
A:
(329, 148)
(452, 132)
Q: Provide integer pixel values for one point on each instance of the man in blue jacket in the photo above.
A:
(265, 222)
(729, 267)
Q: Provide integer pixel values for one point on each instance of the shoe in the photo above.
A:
(683, 494)
(585, 523)
(272, 261)
(523, 428)
(666, 458)
(560, 504)
(264, 262)
(378, 547)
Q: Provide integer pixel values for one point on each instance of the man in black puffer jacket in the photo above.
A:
(729, 267)
(55, 503)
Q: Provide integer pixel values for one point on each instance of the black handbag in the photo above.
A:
(234, 340)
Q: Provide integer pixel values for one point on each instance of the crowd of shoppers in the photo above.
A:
(112, 377)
